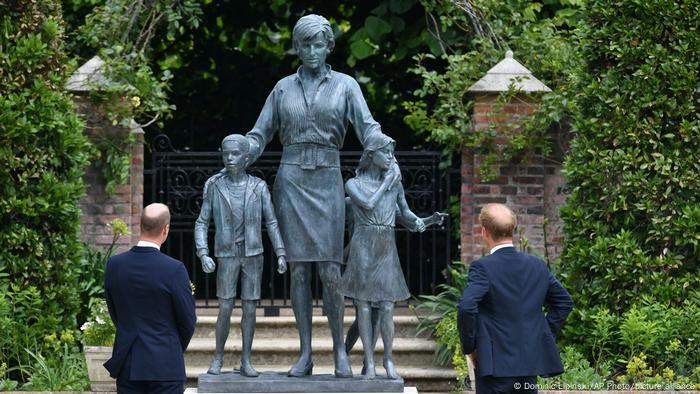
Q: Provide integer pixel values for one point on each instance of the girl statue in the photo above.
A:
(373, 276)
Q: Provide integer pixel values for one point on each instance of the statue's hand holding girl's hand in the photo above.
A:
(420, 225)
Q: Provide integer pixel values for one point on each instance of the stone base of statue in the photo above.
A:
(279, 382)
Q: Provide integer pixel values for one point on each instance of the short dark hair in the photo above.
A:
(153, 224)
(499, 226)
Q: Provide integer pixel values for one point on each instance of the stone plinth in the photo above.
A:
(279, 382)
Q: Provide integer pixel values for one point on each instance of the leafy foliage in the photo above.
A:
(42, 158)
(225, 68)
(64, 370)
(632, 221)
(98, 330)
(432, 310)
(633, 215)
(474, 36)
(578, 373)
(666, 336)
(121, 33)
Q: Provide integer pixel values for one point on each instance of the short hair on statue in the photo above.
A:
(240, 138)
(308, 26)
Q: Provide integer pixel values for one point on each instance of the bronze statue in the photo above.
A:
(309, 111)
(238, 203)
(373, 277)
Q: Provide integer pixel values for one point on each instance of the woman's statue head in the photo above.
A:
(313, 41)
(308, 26)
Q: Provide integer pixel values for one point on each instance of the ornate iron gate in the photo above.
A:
(177, 177)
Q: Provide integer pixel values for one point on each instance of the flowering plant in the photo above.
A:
(98, 330)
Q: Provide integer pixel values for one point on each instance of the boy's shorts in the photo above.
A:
(250, 268)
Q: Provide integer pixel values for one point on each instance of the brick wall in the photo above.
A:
(98, 207)
(533, 187)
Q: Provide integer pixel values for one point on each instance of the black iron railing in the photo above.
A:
(177, 178)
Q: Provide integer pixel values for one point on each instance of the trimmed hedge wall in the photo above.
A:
(632, 220)
(43, 154)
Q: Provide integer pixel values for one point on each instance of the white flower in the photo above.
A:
(85, 326)
(99, 320)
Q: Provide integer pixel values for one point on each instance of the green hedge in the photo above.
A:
(43, 154)
(632, 220)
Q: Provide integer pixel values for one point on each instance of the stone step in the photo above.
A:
(284, 352)
(426, 379)
(267, 327)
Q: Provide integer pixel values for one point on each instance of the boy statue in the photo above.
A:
(238, 202)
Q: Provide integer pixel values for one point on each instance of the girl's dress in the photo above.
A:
(373, 272)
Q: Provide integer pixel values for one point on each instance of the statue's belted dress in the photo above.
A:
(373, 271)
(308, 192)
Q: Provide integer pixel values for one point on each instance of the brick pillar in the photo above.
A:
(520, 185)
(98, 207)
(533, 188)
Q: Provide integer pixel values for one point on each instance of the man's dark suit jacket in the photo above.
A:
(500, 315)
(150, 301)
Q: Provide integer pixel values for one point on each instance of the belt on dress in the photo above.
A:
(375, 225)
(310, 156)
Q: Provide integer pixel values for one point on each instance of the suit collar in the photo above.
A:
(144, 249)
(505, 248)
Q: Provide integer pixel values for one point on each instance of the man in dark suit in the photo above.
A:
(150, 301)
(500, 319)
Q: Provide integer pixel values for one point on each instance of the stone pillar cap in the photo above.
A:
(88, 77)
(506, 73)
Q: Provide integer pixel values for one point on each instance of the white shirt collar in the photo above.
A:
(501, 246)
(148, 244)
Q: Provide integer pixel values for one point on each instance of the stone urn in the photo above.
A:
(100, 380)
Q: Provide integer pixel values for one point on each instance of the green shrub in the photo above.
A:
(667, 337)
(434, 310)
(474, 37)
(43, 154)
(63, 371)
(578, 373)
(98, 330)
(632, 221)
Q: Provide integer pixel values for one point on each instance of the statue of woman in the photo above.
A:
(310, 111)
